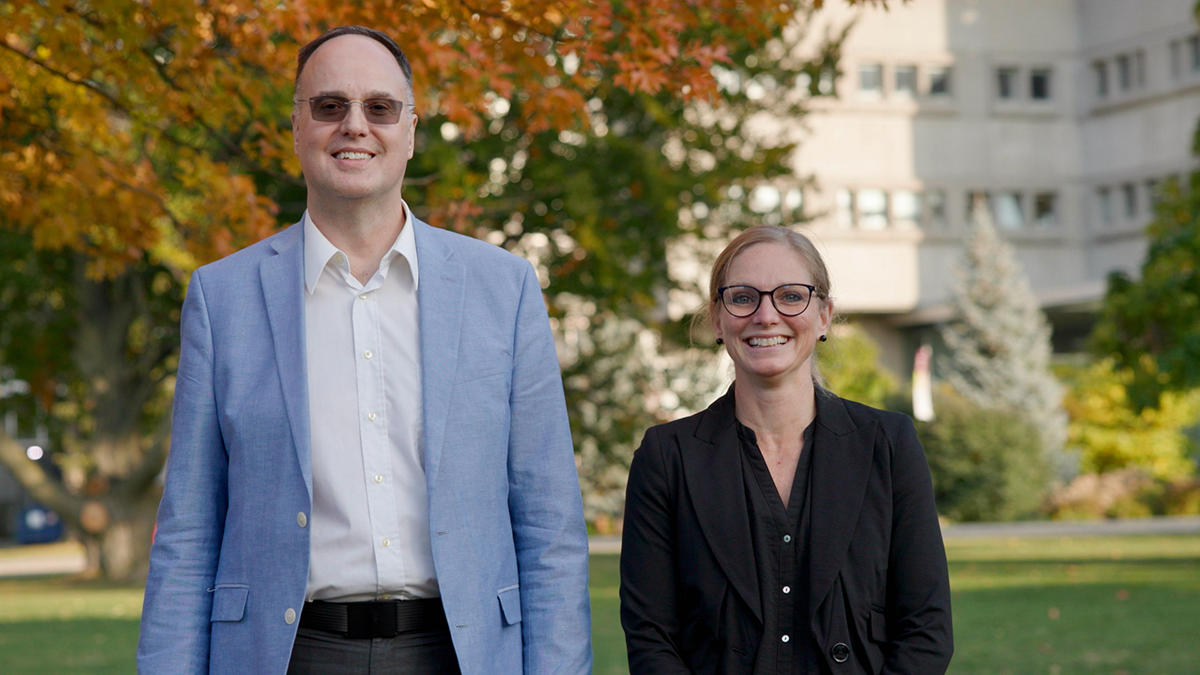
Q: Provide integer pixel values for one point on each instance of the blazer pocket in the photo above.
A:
(229, 602)
(510, 604)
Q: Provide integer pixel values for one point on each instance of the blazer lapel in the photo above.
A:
(440, 300)
(712, 469)
(282, 278)
(841, 465)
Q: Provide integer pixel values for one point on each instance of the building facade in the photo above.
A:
(1062, 116)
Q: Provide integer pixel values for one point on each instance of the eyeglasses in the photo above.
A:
(335, 109)
(788, 299)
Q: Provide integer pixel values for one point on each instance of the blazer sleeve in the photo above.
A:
(176, 615)
(648, 578)
(918, 603)
(545, 505)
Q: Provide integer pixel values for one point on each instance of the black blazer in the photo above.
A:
(879, 595)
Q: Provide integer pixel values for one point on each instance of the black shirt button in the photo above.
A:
(840, 652)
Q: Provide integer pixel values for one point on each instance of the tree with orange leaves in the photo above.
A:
(141, 139)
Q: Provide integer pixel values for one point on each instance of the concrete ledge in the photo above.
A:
(1077, 528)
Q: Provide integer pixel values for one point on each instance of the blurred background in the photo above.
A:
(1006, 193)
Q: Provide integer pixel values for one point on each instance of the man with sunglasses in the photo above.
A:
(371, 466)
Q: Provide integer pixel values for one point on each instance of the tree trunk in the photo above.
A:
(121, 551)
(116, 526)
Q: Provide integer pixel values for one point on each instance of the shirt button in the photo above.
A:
(362, 296)
(289, 617)
(386, 596)
(787, 538)
(787, 589)
(301, 519)
(368, 354)
(371, 416)
(339, 257)
(786, 638)
(386, 542)
(378, 478)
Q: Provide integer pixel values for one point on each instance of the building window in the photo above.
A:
(845, 207)
(1009, 214)
(1104, 204)
(872, 209)
(1045, 208)
(1176, 60)
(1139, 67)
(1194, 52)
(937, 208)
(1129, 196)
(1124, 73)
(975, 202)
(906, 207)
(1039, 84)
(1100, 69)
(906, 80)
(939, 80)
(1153, 192)
(870, 80)
(1006, 82)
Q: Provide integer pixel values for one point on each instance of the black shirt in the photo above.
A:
(780, 538)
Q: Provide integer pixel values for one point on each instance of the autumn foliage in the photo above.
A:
(134, 128)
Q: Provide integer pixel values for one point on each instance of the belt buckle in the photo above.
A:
(371, 620)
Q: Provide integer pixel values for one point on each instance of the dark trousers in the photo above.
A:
(317, 652)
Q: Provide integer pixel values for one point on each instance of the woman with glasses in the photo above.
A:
(784, 529)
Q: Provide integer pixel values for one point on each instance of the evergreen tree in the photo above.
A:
(999, 343)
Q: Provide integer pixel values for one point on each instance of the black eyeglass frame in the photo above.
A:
(812, 290)
(363, 103)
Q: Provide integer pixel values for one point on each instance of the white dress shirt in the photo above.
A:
(370, 516)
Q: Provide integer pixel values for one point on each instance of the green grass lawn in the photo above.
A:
(1066, 606)
(55, 626)
(1111, 605)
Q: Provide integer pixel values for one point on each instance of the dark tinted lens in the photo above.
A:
(382, 110)
(329, 109)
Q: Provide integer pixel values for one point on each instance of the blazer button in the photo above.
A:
(301, 519)
(840, 652)
(289, 617)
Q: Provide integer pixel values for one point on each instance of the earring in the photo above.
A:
(823, 338)
(720, 341)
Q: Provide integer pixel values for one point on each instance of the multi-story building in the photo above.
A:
(1064, 116)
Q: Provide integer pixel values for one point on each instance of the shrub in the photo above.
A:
(987, 464)
(1112, 433)
(1128, 493)
(850, 365)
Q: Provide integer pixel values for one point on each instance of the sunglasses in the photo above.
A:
(335, 109)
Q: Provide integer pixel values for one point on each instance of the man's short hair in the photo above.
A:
(307, 50)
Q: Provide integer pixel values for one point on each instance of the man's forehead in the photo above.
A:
(348, 54)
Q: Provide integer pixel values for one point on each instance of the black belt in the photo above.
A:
(384, 619)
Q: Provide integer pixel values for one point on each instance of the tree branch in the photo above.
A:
(36, 481)
(512, 23)
(116, 103)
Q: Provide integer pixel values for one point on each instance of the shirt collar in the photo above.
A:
(319, 251)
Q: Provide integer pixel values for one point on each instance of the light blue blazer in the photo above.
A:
(230, 560)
